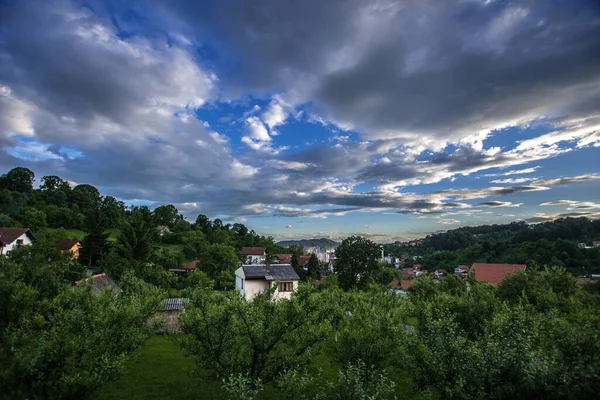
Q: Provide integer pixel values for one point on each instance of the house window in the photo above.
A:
(286, 286)
(19, 241)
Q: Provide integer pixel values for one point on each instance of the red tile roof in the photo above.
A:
(408, 272)
(191, 265)
(253, 251)
(303, 260)
(67, 244)
(403, 284)
(9, 235)
(494, 273)
(283, 258)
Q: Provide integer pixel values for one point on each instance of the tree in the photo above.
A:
(313, 267)
(58, 341)
(19, 179)
(136, 239)
(229, 335)
(356, 262)
(33, 219)
(95, 242)
(220, 261)
(165, 215)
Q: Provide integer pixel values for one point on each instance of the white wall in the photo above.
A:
(252, 287)
(255, 259)
(23, 237)
(284, 295)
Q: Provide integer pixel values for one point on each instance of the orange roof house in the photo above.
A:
(494, 274)
(70, 245)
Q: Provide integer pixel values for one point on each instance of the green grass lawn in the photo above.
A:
(160, 370)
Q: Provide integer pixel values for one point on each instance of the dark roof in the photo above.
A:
(191, 265)
(494, 273)
(67, 244)
(174, 303)
(277, 272)
(100, 282)
(253, 251)
(9, 235)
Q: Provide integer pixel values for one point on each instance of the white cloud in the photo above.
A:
(512, 180)
(448, 222)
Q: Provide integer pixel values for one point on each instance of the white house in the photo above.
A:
(251, 280)
(13, 237)
(254, 255)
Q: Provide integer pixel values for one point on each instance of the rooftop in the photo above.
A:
(9, 235)
(277, 272)
(494, 273)
(253, 251)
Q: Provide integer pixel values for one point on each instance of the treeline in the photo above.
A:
(548, 244)
(137, 245)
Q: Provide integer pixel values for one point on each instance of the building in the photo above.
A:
(596, 243)
(282, 258)
(254, 255)
(494, 274)
(251, 280)
(100, 283)
(13, 237)
(439, 273)
(70, 245)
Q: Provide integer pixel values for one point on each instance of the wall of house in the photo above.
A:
(253, 287)
(255, 259)
(10, 246)
(284, 295)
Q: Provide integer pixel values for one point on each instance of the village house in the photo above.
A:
(251, 280)
(494, 274)
(70, 245)
(13, 237)
(282, 258)
(461, 270)
(254, 255)
(596, 243)
(439, 273)
(100, 283)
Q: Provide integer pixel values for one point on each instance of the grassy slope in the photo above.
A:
(160, 370)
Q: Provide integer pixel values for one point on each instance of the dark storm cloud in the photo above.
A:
(443, 69)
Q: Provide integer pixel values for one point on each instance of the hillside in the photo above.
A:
(323, 242)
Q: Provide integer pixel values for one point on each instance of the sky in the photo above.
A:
(389, 119)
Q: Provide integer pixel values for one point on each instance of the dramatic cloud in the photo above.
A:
(261, 109)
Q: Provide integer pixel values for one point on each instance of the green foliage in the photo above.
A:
(228, 335)
(18, 179)
(313, 268)
(220, 261)
(137, 238)
(357, 262)
(57, 341)
(242, 387)
(354, 382)
(368, 328)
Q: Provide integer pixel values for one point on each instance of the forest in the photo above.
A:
(553, 243)
(116, 238)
